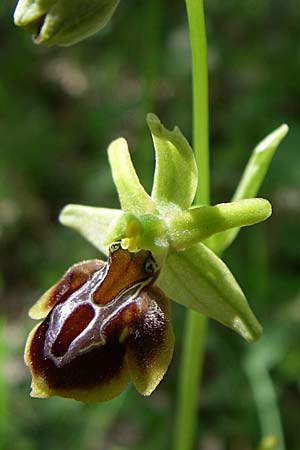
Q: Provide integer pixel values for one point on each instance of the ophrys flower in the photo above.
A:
(108, 323)
(104, 325)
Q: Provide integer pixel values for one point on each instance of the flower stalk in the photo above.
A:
(251, 180)
(196, 324)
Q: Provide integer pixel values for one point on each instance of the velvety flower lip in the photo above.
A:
(63, 22)
(105, 324)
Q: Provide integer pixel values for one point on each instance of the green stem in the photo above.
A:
(195, 10)
(196, 324)
(266, 402)
(190, 377)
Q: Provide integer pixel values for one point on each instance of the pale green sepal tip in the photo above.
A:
(198, 279)
(176, 175)
(272, 140)
(27, 12)
(186, 228)
(133, 197)
(91, 222)
(258, 164)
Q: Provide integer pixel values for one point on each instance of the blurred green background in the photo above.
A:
(59, 110)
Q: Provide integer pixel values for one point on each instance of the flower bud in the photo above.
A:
(63, 22)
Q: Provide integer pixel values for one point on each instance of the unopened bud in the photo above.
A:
(63, 22)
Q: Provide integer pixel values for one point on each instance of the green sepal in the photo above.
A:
(92, 223)
(251, 180)
(132, 195)
(186, 228)
(176, 175)
(198, 279)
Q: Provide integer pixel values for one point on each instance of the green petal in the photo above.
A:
(132, 195)
(186, 228)
(258, 164)
(252, 179)
(92, 223)
(175, 178)
(198, 279)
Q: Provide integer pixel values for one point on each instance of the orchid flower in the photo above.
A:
(108, 323)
